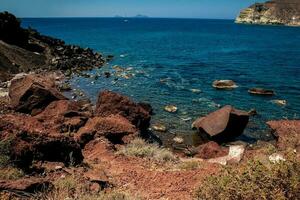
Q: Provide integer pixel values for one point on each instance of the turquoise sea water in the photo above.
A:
(166, 58)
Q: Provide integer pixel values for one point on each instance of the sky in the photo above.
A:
(211, 9)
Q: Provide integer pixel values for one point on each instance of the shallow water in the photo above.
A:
(169, 57)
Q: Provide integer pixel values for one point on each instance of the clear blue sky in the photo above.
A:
(219, 9)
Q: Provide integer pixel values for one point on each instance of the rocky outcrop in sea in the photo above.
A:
(276, 12)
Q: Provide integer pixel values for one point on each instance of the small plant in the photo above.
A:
(189, 165)
(140, 148)
(10, 173)
(255, 180)
(5, 146)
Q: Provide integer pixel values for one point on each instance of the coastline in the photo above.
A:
(94, 141)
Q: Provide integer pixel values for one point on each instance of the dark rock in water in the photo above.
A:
(222, 125)
(32, 93)
(111, 103)
(261, 91)
(113, 127)
(211, 150)
(31, 140)
(252, 112)
(276, 12)
(107, 74)
(26, 185)
(287, 133)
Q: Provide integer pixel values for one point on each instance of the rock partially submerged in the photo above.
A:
(111, 103)
(224, 84)
(287, 133)
(32, 93)
(261, 91)
(222, 125)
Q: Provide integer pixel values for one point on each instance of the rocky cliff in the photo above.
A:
(276, 12)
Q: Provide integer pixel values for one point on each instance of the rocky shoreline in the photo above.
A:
(276, 12)
(53, 146)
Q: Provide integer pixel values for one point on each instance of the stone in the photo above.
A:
(222, 125)
(178, 140)
(31, 140)
(113, 127)
(261, 91)
(224, 84)
(159, 127)
(280, 102)
(27, 185)
(195, 91)
(276, 158)
(211, 150)
(171, 108)
(111, 103)
(287, 133)
(234, 156)
(32, 94)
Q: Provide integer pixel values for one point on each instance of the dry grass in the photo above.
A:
(139, 148)
(72, 188)
(5, 146)
(189, 165)
(255, 180)
(10, 173)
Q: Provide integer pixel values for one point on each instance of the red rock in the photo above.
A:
(96, 150)
(223, 125)
(32, 93)
(111, 103)
(113, 127)
(64, 116)
(211, 150)
(287, 133)
(28, 185)
(30, 140)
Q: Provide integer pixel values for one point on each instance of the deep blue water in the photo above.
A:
(190, 54)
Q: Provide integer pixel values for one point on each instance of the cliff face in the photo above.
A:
(280, 12)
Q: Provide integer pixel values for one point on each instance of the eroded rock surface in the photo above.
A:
(278, 12)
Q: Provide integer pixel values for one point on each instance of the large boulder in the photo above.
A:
(28, 139)
(222, 125)
(111, 103)
(64, 116)
(32, 93)
(287, 133)
(113, 127)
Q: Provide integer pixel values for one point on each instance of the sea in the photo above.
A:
(175, 61)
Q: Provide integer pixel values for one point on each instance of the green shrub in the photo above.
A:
(139, 148)
(5, 146)
(254, 180)
(189, 165)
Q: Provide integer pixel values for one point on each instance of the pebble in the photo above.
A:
(171, 108)
(276, 158)
(279, 102)
(159, 127)
(195, 91)
(178, 140)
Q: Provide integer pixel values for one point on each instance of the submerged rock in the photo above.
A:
(224, 84)
(32, 93)
(261, 91)
(171, 108)
(111, 103)
(222, 125)
(159, 127)
(280, 102)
